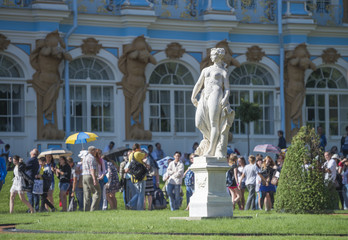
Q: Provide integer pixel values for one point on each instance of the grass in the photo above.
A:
(134, 224)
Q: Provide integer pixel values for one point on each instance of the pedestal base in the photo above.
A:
(210, 198)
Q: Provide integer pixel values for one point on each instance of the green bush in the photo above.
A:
(302, 189)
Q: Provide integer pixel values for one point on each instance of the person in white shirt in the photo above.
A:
(330, 167)
(109, 147)
(249, 173)
(175, 173)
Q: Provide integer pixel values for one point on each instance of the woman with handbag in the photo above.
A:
(267, 189)
(18, 185)
(232, 179)
(113, 184)
(46, 176)
(50, 165)
(64, 175)
(101, 177)
(242, 187)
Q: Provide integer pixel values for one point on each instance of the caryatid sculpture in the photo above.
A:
(132, 64)
(45, 59)
(297, 62)
(214, 116)
(228, 59)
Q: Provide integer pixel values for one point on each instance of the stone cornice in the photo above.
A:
(33, 15)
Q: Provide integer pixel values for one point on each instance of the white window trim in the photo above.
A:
(193, 65)
(341, 66)
(111, 60)
(21, 58)
(269, 65)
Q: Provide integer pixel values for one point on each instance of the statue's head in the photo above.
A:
(217, 54)
(139, 43)
(53, 39)
(301, 51)
(224, 44)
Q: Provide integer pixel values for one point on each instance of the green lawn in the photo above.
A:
(126, 224)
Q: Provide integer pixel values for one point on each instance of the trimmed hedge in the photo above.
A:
(301, 187)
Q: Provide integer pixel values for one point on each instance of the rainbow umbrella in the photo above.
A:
(81, 137)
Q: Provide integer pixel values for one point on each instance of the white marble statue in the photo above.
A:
(214, 116)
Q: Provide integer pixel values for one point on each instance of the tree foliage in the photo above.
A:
(248, 112)
(301, 187)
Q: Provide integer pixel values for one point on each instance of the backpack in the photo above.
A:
(230, 178)
(137, 170)
(190, 178)
(159, 202)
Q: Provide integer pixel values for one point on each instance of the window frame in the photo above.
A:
(88, 84)
(251, 89)
(171, 88)
(327, 92)
(9, 80)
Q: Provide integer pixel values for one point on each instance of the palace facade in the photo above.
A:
(125, 69)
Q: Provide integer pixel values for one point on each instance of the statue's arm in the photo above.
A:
(224, 100)
(235, 62)
(197, 88)
(152, 60)
(67, 56)
(295, 61)
(122, 64)
(312, 66)
(134, 54)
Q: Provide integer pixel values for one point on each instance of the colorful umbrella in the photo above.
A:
(56, 153)
(266, 148)
(81, 137)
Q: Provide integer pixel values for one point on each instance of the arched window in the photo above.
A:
(92, 95)
(253, 83)
(326, 100)
(11, 95)
(89, 68)
(170, 90)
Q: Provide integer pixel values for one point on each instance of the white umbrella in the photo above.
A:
(56, 153)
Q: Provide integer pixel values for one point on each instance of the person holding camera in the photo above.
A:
(137, 201)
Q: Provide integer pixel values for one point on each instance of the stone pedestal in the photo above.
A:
(210, 198)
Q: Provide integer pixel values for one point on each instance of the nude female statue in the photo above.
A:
(214, 116)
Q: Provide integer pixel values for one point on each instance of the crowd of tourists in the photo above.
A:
(91, 183)
(260, 177)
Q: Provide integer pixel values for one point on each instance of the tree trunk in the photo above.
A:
(248, 131)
